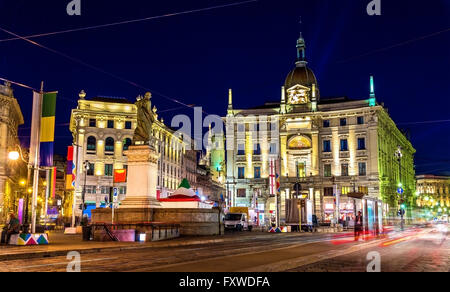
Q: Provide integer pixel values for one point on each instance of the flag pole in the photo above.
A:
(36, 162)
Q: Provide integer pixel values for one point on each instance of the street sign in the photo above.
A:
(400, 191)
(116, 195)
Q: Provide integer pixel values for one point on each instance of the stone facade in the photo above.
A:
(10, 120)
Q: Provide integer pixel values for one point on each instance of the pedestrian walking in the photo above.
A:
(358, 226)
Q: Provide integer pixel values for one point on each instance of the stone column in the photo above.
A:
(142, 178)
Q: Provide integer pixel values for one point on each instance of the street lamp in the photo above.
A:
(15, 156)
(399, 156)
(83, 197)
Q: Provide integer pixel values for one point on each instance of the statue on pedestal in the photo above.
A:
(145, 119)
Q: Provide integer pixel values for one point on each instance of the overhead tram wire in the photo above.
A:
(132, 21)
(96, 68)
(395, 45)
(424, 123)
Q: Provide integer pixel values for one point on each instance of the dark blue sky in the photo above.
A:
(196, 57)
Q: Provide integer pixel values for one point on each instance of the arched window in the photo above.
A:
(109, 145)
(91, 144)
(126, 144)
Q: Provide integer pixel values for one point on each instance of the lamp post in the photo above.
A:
(399, 156)
(83, 196)
(15, 156)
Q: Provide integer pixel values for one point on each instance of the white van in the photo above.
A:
(237, 221)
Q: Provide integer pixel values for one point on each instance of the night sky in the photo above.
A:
(196, 57)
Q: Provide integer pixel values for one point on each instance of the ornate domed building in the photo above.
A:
(321, 151)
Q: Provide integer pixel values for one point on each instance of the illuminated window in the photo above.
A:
(327, 170)
(110, 124)
(241, 193)
(361, 144)
(327, 146)
(91, 144)
(344, 169)
(91, 169)
(109, 146)
(241, 172)
(345, 190)
(344, 145)
(109, 170)
(92, 123)
(257, 149)
(257, 172)
(241, 149)
(328, 192)
(273, 148)
(362, 169)
(301, 170)
(364, 190)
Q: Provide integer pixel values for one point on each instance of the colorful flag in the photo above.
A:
(69, 170)
(120, 176)
(47, 135)
(53, 182)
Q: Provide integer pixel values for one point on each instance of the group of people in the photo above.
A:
(12, 227)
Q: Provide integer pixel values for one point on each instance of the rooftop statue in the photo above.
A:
(145, 119)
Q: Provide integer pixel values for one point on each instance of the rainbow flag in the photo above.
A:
(47, 137)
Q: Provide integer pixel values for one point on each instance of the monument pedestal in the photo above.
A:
(142, 178)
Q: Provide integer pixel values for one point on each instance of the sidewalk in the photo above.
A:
(61, 244)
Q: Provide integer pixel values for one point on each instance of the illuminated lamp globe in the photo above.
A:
(14, 156)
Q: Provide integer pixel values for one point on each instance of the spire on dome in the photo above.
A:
(301, 52)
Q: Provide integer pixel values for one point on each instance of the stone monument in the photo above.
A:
(142, 161)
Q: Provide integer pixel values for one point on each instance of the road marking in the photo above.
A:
(62, 264)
